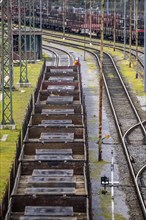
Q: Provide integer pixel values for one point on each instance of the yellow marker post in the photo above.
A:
(107, 136)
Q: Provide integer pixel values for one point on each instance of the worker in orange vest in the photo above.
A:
(76, 62)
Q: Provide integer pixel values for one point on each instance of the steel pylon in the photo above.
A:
(15, 32)
(22, 42)
(7, 67)
(32, 56)
(15, 21)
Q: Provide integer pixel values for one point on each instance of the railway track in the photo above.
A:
(51, 181)
(59, 57)
(86, 41)
(130, 125)
(52, 54)
(38, 159)
(130, 122)
(62, 58)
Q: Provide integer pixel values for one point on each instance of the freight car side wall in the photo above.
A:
(52, 176)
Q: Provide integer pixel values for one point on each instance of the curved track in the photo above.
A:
(121, 48)
(129, 122)
(60, 57)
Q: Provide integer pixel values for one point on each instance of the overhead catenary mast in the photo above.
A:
(101, 85)
(114, 30)
(130, 33)
(32, 55)
(63, 19)
(124, 29)
(22, 43)
(6, 62)
(136, 38)
(90, 22)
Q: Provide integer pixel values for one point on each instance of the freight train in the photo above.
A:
(76, 24)
(52, 177)
(75, 20)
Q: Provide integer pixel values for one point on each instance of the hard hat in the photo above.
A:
(77, 58)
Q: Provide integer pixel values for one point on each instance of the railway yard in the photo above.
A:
(113, 142)
(79, 128)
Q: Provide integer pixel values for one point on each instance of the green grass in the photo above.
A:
(97, 165)
(21, 97)
(128, 73)
(97, 40)
(105, 200)
(47, 57)
(106, 207)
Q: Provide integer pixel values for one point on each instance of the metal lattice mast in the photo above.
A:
(32, 55)
(14, 14)
(15, 30)
(7, 68)
(22, 42)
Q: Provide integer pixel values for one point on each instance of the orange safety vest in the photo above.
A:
(76, 63)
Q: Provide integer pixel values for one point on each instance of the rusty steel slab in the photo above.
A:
(52, 172)
(60, 181)
(56, 121)
(58, 111)
(46, 218)
(48, 211)
(61, 71)
(59, 100)
(50, 190)
(53, 151)
(52, 184)
(57, 137)
(53, 157)
(61, 79)
(60, 88)
(56, 125)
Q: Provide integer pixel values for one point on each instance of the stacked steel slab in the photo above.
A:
(51, 181)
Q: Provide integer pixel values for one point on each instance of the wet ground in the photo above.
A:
(125, 205)
(101, 203)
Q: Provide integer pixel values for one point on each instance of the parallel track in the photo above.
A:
(130, 123)
(119, 101)
(118, 47)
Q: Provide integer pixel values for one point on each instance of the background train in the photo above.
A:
(75, 20)
(79, 27)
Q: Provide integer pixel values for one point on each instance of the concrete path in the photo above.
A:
(101, 204)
